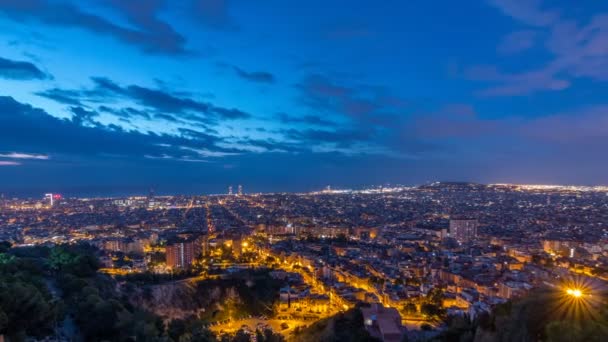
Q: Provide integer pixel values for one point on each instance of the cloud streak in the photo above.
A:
(578, 51)
(16, 155)
(9, 163)
(145, 30)
(162, 103)
(20, 70)
(254, 76)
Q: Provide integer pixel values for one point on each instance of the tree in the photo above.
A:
(410, 308)
(435, 296)
(176, 328)
(430, 309)
(5, 246)
(24, 309)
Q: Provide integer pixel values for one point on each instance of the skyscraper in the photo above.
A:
(50, 198)
(240, 190)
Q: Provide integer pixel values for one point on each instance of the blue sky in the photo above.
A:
(111, 97)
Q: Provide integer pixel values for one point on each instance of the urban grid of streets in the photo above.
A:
(481, 245)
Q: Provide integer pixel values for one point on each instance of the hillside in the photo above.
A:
(347, 326)
(543, 315)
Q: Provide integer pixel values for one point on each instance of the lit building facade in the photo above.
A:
(181, 254)
(463, 230)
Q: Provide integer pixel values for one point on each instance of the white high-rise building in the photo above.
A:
(50, 198)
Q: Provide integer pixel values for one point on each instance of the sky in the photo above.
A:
(113, 97)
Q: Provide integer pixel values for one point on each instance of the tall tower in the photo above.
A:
(230, 190)
(50, 198)
(240, 190)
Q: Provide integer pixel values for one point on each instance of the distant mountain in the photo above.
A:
(454, 186)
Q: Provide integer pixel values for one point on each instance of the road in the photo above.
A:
(252, 323)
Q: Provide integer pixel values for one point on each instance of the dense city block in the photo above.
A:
(404, 262)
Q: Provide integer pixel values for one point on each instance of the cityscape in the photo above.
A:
(303, 171)
(409, 259)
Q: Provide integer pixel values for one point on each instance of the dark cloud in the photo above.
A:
(272, 145)
(307, 119)
(20, 70)
(68, 97)
(342, 138)
(25, 128)
(163, 104)
(362, 103)
(254, 76)
(126, 113)
(145, 29)
(82, 116)
(375, 117)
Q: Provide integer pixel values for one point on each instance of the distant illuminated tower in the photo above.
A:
(151, 195)
(230, 190)
(240, 190)
(50, 198)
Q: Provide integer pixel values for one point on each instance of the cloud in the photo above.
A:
(254, 76)
(20, 70)
(25, 128)
(306, 119)
(376, 121)
(69, 97)
(125, 113)
(577, 51)
(363, 103)
(144, 30)
(17, 155)
(511, 84)
(82, 116)
(9, 163)
(517, 42)
(342, 138)
(529, 12)
(457, 121)
(163, 103)
(584, 127)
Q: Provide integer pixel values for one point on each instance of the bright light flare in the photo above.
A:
(574, 293)
(578, 299)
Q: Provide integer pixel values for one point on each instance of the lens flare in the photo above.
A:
(577, 298)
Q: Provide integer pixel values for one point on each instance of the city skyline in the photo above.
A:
(112, 98)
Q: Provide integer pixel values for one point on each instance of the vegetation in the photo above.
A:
(433, 304)
(347, 326)
(544, 315)
(49, 291)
